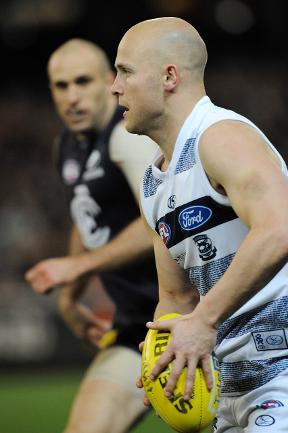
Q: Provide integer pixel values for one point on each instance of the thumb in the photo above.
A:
(161, 325)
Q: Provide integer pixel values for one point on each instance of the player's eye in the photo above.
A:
(61, 85)
(83, 80)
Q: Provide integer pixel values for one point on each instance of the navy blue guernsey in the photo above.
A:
(102, 204)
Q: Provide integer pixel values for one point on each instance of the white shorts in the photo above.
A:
(119, 365)
(263, 410)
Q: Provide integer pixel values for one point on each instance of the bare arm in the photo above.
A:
(71, 292)
(258, 191)
(75, 243)
(79, 317)
(176, 293)
(131, 244)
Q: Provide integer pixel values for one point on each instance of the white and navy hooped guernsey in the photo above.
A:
(203, 233)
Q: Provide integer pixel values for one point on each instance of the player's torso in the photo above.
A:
(203, 233)
(101, 200)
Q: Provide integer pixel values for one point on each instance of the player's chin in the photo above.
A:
(134, 129)
(129, 125)
(79, 127)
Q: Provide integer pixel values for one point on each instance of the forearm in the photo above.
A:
(129, 245)
(71, 292)
(65, 297)
(259, 258)
(75, 244)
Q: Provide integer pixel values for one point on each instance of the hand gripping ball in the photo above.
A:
(184, 416)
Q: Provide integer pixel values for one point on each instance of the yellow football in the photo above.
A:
(184, 416)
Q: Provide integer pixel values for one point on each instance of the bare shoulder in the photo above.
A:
(231, 145)
(232, 134)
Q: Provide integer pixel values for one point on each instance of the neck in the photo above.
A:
(170, 125)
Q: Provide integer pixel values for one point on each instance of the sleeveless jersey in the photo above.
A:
(102, 204)
(203, 233)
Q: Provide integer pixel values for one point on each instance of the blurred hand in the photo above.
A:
(84, 323)
(192, 341)
(51, 272)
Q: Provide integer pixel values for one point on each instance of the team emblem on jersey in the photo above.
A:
(84, 211)
(180, 259)
(171, 202)
(193, 217)
(264, 420)
(164, 232)
(93, 169)
(70, 171)
(205, 247)
(270, 340)
(270, 404)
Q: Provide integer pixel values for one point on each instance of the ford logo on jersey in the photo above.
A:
(194, 216)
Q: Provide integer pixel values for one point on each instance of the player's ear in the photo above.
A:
(170, 77)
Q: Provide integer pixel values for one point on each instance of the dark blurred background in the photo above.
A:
(247, 72)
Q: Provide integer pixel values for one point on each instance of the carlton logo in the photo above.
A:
(194, 216)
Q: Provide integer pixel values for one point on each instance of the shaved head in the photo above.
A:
(169, 40)
(83, 48)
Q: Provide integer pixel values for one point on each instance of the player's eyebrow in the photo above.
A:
(122, 66)
(61, 84)
(83, 79)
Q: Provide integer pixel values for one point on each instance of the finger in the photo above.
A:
(141, 345)
(103, 324)
(177, 367)
(79, 331)
(87, 314)
(139, 382)
(207, 370)
(191, 368)
(161, 364)
(94, 334)
(79, 327)
(161, 325)
(48, 291)
(28, 275)
(146, 401)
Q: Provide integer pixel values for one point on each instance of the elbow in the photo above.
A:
(188, 297)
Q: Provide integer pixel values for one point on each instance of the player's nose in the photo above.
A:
(117, 87)
(73, 94)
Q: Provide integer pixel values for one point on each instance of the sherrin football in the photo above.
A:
(184, 416)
